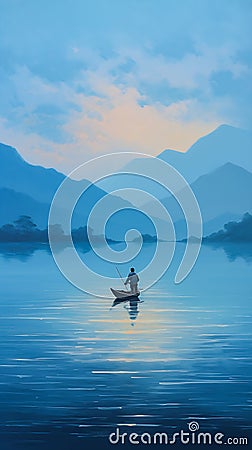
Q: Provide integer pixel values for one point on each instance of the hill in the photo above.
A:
(20, 176)
(223, 194)
(15, 204)
(225, 144)
(28, 189)
(224, 190)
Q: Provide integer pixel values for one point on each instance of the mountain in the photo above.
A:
(134, 181)
(15, 204)
(29, 189)
(226, 189)
(225, 144)
(35, 181)
(208, 226)
(223, 194)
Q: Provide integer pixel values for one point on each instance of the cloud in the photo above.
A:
(119, 123)
(113, 85)
(111, 120)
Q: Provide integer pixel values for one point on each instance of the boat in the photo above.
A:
(124, 295)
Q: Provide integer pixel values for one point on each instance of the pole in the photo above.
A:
(120, 275)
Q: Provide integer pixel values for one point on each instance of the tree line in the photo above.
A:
(234, 231)
(24, 229)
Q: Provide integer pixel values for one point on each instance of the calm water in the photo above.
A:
(72, 369)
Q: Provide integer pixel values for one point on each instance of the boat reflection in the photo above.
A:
(131, 305)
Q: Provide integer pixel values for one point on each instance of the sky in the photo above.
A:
(82, 78)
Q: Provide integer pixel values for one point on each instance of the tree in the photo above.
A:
(24, 224)
(234, 231)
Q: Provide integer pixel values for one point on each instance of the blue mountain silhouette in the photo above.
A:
(226, 189)
(35, 181)
(223, 195)
(15, 204)
(225, 144)
(218, 164)
(28, 189)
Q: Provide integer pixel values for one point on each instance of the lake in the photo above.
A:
(73, 369)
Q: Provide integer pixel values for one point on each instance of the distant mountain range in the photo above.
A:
(224, 190)
(218, 167)
(223, 195)
(214, 168)
(225, 144)
(28, 189)
(20, 176)
(14, 204)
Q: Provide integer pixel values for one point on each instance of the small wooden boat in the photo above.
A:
(124, 295)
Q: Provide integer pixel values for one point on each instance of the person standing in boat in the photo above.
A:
(132, 280)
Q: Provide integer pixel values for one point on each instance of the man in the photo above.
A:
(132, 280)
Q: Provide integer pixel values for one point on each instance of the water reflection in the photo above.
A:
(72, 367)
(22, 251)
(235, 250)
(131, 306)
